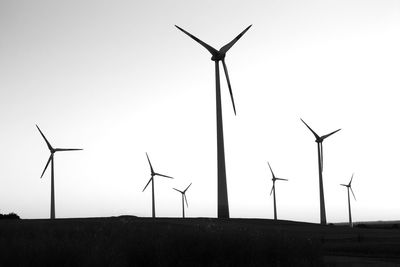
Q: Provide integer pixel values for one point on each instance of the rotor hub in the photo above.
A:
(218, 57)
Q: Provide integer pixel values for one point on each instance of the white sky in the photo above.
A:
(118, 79)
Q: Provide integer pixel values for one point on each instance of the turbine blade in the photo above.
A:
(210, 49)
(229, 85)
(47, 164)
(351, 189)
(147, 184)
(273, 175)
(344, 185)
(45, 139)
(314, 133)
(351, 180)
(327, 135)
(67, 149)
(184, 196)
(228, 46)
(184, 191)
(151, 167)
(281, 179)
(162, 175)
(178, 190)
(272, 189)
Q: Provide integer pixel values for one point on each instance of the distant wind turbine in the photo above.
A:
(152, 185)
(348, 198)
(273, 188)
(183, 193)
(219, 55)
(51, 159)
(319, 140)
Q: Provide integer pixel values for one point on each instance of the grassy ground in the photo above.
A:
(131, 241)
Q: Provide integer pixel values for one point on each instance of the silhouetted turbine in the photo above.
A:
(152, 185)
(319, 140)
(183, 193)
(273, 189)
(51, 159)
(348, 198)
(219, 55)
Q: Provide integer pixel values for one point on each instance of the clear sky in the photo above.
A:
(118, 79)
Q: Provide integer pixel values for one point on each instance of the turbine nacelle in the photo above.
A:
(319, 140)
(218, 57)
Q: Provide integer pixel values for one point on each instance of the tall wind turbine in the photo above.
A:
(273, 188)
(183, 193)
(348, 197)
(217, 56)
(319, 140)
(51, 159)
(153, 203)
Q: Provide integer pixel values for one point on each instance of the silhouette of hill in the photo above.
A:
(374, 224)
(133, 241)
(11, 215)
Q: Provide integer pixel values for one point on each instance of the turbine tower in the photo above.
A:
(348, 198)
(153, 204)
(183, 193)
(217, 56)
(319, 140)
(51, 159)
(273, 188)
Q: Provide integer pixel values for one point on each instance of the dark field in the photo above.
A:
(131, 241)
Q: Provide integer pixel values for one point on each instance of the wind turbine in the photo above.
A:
(319, 140)
(183, 193)
(152, 185)
(51, 159)
(273, 188)
(348, 197)
(217, 56)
